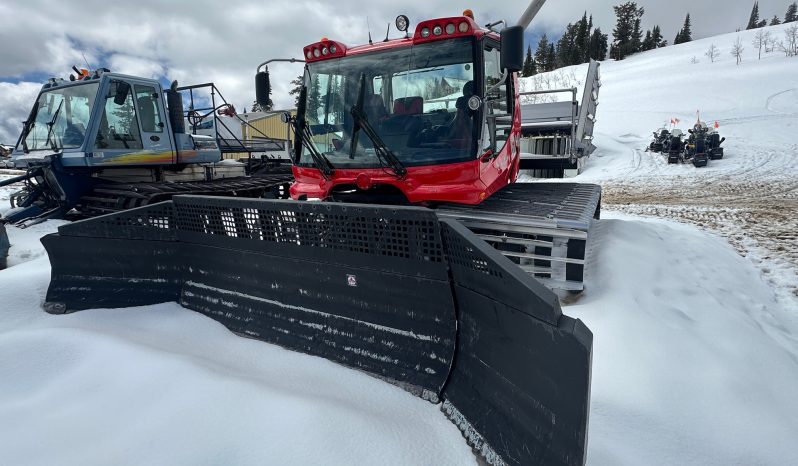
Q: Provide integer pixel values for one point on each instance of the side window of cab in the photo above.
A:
(119, 128)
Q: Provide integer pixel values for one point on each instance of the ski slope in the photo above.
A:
(751, 196)
(694, 321)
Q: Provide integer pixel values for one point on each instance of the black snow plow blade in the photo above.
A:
(393, 291)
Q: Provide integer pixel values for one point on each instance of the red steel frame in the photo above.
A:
(468, 182)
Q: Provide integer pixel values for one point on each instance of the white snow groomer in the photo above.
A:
(103, 142)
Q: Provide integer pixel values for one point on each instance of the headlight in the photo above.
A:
(437, 30)
(402, 23)
(425, 32)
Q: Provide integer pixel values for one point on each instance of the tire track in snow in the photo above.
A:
(750, 198)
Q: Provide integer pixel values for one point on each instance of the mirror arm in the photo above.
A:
(505, 74)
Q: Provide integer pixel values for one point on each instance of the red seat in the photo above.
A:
(408, 106)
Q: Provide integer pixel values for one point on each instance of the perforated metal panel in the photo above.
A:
(152, 222)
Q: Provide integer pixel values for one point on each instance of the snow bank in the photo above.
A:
(692, 362)
(164, 385)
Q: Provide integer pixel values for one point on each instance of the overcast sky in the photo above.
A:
(202, 40)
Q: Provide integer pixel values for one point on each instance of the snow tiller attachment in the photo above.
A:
(394, 291)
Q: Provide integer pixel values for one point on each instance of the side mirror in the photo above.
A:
(512, 53)
(262, 89)
(122, 89)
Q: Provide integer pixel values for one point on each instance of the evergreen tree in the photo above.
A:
(656, 38)
(314, 100)
(647, 42)
(627, 33)
(295, 90)
(529, 64)
(567, 50)
(775, 21)
(753, 21)
(552, 58)
(686, 33)
(582, 40)
(542, 54)
(792, 13)
(598, 45)
(586, 45)
(636, 43)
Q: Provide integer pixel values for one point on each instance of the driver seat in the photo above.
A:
(460, 129)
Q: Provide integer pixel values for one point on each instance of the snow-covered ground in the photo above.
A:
(751, 196)
(695, 323)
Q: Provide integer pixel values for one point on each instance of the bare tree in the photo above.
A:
(790, 44)
(791, 36)
(694, 60)
(770, 43)
(712, 53)
(737, 50)
(759, 41)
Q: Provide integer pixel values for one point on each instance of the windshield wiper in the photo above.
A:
(51, 124)
(384, 154)
(305, 138)
(28, 125)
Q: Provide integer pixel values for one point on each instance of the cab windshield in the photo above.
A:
(67, 111)
(414, 97)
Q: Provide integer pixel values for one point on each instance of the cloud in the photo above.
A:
(206, 40)
(17, 100)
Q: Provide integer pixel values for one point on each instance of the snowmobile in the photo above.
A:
(713, 144)
(696, 148)
(657, 144)
(674, 146)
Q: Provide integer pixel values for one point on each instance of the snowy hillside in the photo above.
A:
(695, 322)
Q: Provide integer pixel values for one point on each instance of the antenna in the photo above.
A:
(369, 29)
(87, 62)
(387, 32)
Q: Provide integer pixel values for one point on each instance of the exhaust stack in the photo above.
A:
(530, 13)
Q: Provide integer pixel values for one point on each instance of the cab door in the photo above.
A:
(150, 110)
(495, 171)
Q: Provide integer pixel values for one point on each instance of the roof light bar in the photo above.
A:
(324, 50)
(444, 28)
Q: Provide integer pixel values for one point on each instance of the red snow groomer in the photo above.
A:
(377, 280)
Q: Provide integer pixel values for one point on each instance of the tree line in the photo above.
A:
(581, 42)
(754, 22)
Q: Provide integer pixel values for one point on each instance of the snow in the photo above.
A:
(694, 361)
(690, 295)
(164, 385)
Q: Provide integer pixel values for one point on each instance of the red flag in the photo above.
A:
(716, 124)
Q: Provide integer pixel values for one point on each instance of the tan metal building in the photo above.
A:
(262, 126)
